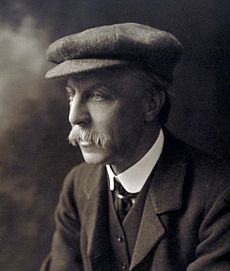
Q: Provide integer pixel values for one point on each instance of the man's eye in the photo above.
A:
(98, 96)
(70, 93)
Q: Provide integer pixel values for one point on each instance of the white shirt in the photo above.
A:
(134, 178)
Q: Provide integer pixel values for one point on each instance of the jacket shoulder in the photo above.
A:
(206, 181)
(82, 180)
(203, 169)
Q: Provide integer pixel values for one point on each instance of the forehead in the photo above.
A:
(119, 80)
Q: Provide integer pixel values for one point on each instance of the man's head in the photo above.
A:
(118, 78)
(113, 114)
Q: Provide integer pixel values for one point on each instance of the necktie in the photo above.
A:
(123, 200)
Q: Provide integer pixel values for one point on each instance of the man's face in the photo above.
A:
(107, 115)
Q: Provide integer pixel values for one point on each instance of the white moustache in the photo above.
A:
(92, 137)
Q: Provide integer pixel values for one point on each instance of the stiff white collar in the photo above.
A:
(134, 178)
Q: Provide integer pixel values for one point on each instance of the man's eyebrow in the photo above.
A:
(70, 86)
(97, 86)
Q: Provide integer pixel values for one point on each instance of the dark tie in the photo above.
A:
(122, 200)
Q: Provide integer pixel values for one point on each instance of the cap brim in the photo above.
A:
(76, 66)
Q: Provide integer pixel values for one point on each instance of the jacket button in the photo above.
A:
(124, 266)
(120, 238)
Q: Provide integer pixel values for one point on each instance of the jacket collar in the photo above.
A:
(168, 178)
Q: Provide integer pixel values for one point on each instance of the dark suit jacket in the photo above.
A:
(185, 223)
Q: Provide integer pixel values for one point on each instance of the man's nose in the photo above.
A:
(78, 114)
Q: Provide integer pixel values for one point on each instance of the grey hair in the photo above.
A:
(157, 84)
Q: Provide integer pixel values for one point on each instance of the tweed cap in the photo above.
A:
(115, 45)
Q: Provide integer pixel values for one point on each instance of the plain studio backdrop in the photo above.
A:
(34, 152)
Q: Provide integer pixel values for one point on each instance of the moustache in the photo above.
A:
(78, 134)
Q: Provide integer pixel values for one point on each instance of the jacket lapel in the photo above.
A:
(164, 195)
(95, 215)
(150, 232)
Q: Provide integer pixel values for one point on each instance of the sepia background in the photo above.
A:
(34, 152)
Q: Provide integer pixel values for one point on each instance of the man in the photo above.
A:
(143, 200)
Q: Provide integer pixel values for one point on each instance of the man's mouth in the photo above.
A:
(83, 143)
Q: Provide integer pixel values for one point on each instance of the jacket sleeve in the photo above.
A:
(213, 251)
(65, 254)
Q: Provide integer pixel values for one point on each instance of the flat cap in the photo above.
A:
(115, 45)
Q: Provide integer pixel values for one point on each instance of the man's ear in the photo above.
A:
(154, 102)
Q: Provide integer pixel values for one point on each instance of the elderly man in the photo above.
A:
(143, 200)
